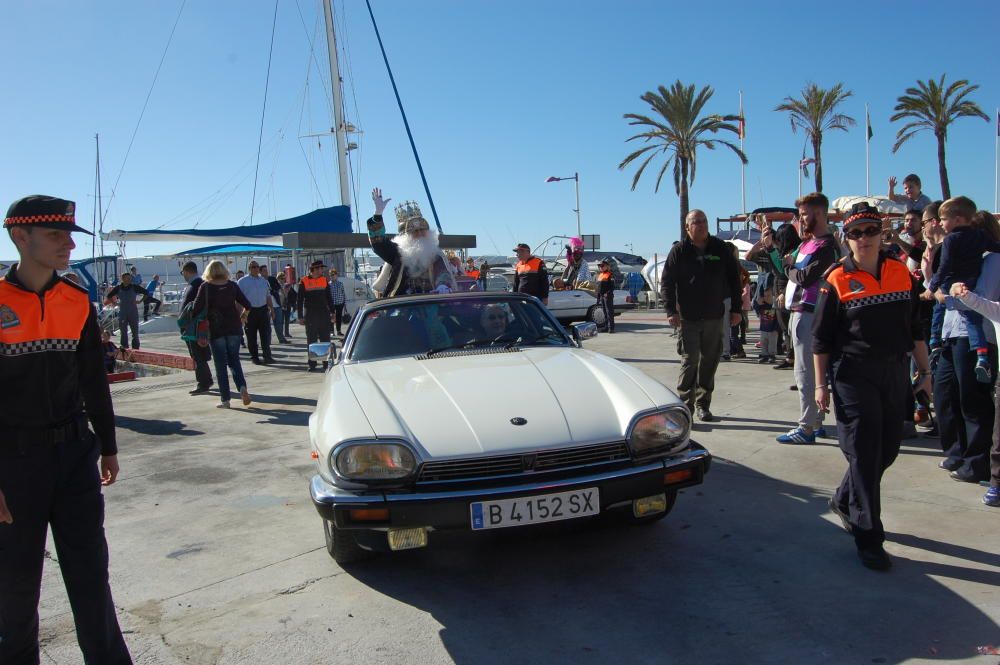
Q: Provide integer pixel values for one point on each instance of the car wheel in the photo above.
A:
(596, 314)
(342, 545)
(650, 519)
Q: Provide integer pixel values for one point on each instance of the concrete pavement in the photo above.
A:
(218, 557)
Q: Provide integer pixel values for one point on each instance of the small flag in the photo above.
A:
(743, 120)
(868, 122)
(804, 165)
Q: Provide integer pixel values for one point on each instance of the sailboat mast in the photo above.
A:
(100, 205)
(340, 128)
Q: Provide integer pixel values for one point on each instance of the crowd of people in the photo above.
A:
(883, 324)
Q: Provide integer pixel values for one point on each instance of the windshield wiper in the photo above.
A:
(508, 341)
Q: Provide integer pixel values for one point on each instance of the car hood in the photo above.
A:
(466, 405)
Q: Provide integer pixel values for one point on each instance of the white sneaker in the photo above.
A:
(222, 405)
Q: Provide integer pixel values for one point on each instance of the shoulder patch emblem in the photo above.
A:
(8, 319)
(856, 286)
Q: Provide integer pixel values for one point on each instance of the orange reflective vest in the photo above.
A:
(861, 315)
(315, 298)
(51, 359)
(531, 277)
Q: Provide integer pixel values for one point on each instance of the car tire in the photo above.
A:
(342, 545)
(652, 519)
(596, 315)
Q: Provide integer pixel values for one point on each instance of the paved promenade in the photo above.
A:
(217, 554)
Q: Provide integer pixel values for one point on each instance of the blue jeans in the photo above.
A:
(226, 352)
(937, 323)
(279, 317)
(974, 326)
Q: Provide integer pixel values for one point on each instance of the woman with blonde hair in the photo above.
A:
(218, 297)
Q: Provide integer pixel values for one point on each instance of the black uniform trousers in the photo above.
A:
(964, 408)
(55, 482)
(607, 303)
(201, 355)
(317, 328)
(258, 323)
(868, 397)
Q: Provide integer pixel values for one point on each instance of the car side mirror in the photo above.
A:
(321, 352)
(582, 331)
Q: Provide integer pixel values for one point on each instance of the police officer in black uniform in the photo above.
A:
(52, 465)
(867, 321)
(315, 306)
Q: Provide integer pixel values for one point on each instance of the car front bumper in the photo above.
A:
(450, 509)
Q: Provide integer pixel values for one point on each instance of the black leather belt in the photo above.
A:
(34, 436)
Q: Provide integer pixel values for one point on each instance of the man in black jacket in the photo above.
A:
(700, 272)
(200, 354)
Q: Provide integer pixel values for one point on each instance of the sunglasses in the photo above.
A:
(867, 232)
(497, 317)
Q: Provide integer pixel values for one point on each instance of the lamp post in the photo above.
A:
(576, 177)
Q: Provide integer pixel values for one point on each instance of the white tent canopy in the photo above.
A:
(885, 205)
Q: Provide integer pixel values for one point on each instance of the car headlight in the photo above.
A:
(374, 461)
(659, 432)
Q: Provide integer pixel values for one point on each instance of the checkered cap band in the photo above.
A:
(864, 216)
(38, 346)
(38, 219)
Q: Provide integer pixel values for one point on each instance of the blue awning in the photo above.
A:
(252, 249)
(336, 219)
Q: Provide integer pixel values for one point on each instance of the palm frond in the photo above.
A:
(933, 105)
(676, 127)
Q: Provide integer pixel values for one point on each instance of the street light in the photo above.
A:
(576, 177)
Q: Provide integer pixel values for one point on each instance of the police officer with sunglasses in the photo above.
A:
(867, 321)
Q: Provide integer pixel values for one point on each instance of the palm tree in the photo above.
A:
(932, 106)
(676, 132)
(815, 113)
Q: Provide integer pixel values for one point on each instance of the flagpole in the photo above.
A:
(996, 166)
(743, 167)
(868, 125)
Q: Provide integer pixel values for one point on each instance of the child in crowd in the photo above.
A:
(962, 261)
(110, 351)
(764, 306)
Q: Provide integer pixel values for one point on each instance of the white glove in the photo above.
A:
(442, 288)
(380, 203)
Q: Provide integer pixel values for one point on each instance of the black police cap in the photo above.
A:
(39, 211)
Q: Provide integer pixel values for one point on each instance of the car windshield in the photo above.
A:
(437, 326)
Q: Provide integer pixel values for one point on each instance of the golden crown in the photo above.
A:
(409, 217)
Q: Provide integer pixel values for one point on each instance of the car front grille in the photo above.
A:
(526, 464)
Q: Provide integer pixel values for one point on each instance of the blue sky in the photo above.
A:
(499, 95)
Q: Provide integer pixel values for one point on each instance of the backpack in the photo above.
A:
(193, 325)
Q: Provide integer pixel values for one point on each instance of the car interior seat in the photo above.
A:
(390, 336)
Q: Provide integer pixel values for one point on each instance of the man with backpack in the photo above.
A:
(189, 320)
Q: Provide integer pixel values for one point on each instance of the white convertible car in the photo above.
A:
(410, 437)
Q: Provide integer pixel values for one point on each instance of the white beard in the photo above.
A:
(417, 254)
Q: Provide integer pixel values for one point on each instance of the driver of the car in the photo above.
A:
(493, 320)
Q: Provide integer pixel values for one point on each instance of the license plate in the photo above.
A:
(535, 509)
